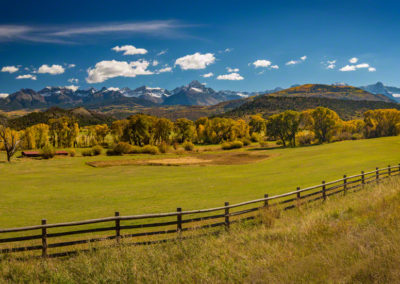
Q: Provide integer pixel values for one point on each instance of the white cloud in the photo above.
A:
(362, 65)
(73, 80)
(129, 50)
(9, 69)
(274, 67)
(232, 70)
(262, 63)
(331, 64)
(208, 75)
(107, 69)
(165, 69)
(195, 61)
(371, 69)
(353, 60)
(72, 87)
(348, 68)
(291, 62)
(3, 95)
(71, 65)
(228, 49)
(231, 77)
(155, 63)
(303, 58)
(162, 52)
(53, 69)
(27, 76)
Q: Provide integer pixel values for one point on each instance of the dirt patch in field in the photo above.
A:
(236, 158)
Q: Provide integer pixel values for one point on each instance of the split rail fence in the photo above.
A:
(152, 228)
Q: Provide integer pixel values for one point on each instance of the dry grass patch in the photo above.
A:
(231, 158)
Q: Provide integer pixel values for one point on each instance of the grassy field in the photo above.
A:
(348, 239)
(66, 189)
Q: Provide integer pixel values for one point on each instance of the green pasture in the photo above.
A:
(66, 189)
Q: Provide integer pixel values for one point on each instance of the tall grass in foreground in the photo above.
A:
(353, 239)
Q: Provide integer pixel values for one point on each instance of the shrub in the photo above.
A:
(87, 153)
(48, 152)
(357, 136)
(263, 144)
(111, 152)
(305, 137)
(232, 145)
(176, 145)
(150, 149)
(97, 150)
(188, 146)
(246, 141)
(136, 150)
(163, 147)
(72, 153)
(255, 137)
(122, 148)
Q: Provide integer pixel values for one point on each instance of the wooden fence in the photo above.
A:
(137, 227)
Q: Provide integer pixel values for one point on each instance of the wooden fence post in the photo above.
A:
(179, 220)
(44, 239)
(298, 196)
(362, 178)
(266, 201)
(377, 174)
(399, 168)
(323, 190)
(117, 227)
(344, 184)
(389, 170)
(227, 216)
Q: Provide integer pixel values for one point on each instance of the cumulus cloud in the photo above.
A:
(371, 69)
(165, 69)
(162, 52)
(294, 62)
(195, 61)
(73, 80)
(71, 65)
(303, 58)
(26, 76)
(274, 67)
(207, 75)
(72, 87)
(232, 70)
(53, 69)
(155, 63)
(9, 69)
(129, 50)
(348, 68)
(3, 95)
(353, 60)
(230, 77)
(107, 69)
(262, 63)
(362, 65)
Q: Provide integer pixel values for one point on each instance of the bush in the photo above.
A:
(255, 137)
(232, 145)
(149, 149)
(97, 150)
(72, 153)
(188, 146)
(246, 141)
(122, 148)
(87, 153)
(357, 136)
(163, 147)
(135, 150)
(263, 144)
(111, 152)
(48, 152)
(305, 137)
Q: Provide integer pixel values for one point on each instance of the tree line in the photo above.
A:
(289, 128)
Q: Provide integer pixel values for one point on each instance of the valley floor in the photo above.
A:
(348, 239)
(67, 189)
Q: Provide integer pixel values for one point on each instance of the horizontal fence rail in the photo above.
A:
(179, 223)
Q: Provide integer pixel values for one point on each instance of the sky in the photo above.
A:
(233, 45)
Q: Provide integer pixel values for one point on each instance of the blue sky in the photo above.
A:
(245, 45)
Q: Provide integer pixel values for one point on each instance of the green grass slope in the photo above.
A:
(66, 189)
(348, 239)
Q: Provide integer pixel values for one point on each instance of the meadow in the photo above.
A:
(67, 189)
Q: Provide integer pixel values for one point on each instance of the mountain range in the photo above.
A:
(193, 94)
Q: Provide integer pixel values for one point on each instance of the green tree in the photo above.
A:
(325, 123)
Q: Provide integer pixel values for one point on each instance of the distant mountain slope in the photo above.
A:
(268, 105)
(83, 116)
(332, 92)
(379, 88)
